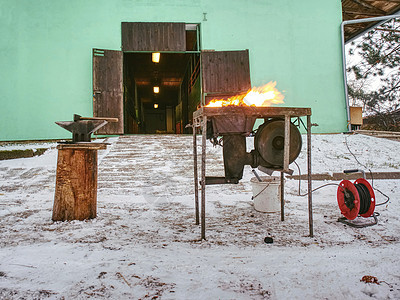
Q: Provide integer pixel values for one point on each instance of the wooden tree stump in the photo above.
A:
(76, 182)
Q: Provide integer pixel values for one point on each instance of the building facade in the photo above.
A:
(64, 57)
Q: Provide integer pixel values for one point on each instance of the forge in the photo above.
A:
(235, 123)
(277, 143)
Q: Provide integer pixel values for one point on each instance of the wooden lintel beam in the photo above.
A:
(369, 6)
(355, 26)
(392, 1)
(349, 17)
(363, 13)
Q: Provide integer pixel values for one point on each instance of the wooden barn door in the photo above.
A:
(153, 36)
(107, 89)
(225, 73)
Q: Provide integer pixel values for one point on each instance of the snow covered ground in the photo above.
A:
(144, 243)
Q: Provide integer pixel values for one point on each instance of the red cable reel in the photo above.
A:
(356, 199)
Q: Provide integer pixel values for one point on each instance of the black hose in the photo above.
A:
(365, 197)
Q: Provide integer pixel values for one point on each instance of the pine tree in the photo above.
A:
(379, 53)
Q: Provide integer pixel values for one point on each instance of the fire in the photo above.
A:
(265, 95)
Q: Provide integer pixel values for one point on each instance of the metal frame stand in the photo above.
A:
(200, 118)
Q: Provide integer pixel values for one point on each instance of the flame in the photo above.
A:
(265, 95)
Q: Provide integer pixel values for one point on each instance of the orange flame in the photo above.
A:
(265, 95)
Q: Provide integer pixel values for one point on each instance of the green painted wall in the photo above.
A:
(46, 48)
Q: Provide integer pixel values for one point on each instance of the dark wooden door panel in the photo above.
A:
(225, 73)
(107, 89)
(152, 36)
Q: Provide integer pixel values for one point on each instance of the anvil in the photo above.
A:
(83, 127)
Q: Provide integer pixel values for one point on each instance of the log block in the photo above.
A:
(76, 182)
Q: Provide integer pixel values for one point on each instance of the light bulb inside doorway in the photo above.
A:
(155, 57)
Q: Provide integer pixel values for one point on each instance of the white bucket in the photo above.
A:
(267, 193)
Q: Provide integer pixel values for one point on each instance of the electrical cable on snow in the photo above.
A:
(370, 172)
(324, 185)
(328, 184)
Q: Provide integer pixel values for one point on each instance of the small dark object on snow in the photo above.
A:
(369, 279)
(268, 240)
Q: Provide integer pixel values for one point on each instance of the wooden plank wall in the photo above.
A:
(107, 89)
(225, 72)
(145, 36)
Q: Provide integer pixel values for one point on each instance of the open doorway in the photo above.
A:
(160, 96)
(162, 91)
(148, 96)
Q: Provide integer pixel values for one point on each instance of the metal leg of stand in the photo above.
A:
(196, 178)
(285, 165)
(203, 178)
(286, 148)
(310, 212)
(282, 197)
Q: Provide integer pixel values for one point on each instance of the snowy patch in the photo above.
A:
(144, 243)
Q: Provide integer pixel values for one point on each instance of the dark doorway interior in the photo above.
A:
(168, 111)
